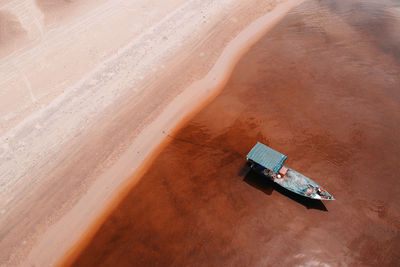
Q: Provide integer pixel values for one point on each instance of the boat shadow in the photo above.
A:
(267, 186)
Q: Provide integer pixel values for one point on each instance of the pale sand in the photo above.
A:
(77, 125)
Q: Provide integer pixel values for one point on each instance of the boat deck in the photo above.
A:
(300, 184)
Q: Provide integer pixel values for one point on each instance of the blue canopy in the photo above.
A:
(266, 157)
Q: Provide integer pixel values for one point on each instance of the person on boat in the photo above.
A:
(274, 175)
(321, 192)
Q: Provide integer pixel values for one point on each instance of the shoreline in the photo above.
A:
(206, 90)
(304, 89)
(61, 156)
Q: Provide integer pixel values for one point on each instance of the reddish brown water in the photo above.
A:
(323, 88)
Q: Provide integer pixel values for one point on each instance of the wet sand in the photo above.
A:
(322, 88)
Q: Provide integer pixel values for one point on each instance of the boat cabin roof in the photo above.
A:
(266, 157)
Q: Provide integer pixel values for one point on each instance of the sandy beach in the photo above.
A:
(89, 92)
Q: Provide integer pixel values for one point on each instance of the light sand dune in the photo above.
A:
(11, 32)
(87, 101)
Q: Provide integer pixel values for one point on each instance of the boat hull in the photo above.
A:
(296, 183)
(302, 185)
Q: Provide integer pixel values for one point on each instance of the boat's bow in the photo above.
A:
(302, 185)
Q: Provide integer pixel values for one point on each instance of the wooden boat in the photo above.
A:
(269, 163)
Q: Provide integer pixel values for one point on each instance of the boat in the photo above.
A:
(269, 162)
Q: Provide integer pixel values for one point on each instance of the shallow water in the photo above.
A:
(323, 88)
